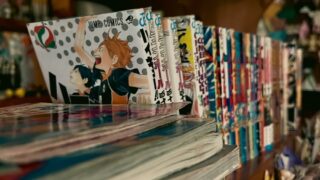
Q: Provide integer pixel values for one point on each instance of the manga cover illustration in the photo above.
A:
(101, 59)
(107, 68)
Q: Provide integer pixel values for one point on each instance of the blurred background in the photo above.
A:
(293, 21)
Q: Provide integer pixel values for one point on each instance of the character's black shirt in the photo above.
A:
(118, 81)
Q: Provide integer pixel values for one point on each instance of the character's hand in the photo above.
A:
(144, 98)
(85, 57)
(84, 19)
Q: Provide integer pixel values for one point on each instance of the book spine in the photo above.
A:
(243, 144)
(237, 76)
(254, 102)
(204, 73)
(255, 81)
(276, 99)
(250, 140)
(243, 89)
(203, 96)
(285, 57)
(223, 61)
(163, 59)
(145, 33)
(174, 59)
(229, 79)
(268, 124)
(291, 86)
(299, 68)
(256, 139)
(209, 44)
(186, 34)
(260, 63)
(160, 95)
(200, 69)
(248, 76)
(217, 77)
(233, 73)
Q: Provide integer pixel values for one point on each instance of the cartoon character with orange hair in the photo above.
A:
(109, 68)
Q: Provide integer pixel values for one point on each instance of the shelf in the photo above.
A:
(13, 25)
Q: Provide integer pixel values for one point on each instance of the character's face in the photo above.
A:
(104, 61)
(76, 79)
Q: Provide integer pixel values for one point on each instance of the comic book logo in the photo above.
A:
(129, 19)
(45, 37)
(173, 26)
(158, 20)
(142, 20)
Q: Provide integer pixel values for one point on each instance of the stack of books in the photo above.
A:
(50, 141)
(245, 83)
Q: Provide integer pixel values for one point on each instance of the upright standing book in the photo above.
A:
(201, 68)
(217, 76)
(223, 62)
(186, 27)
(96, 59)
(163, 57)
(160, 94)
(268, 131)
(174, 59)
(209, 44)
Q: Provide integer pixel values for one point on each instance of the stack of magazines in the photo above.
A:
(58, 141)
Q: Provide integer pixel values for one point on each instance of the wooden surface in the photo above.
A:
(16, 101)
(255, 168)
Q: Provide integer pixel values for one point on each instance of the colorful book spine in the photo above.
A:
(250, 55)
(248, 59)
(160, 95)
(223, 68)
(248, 76)
(233, 137)
(254, 95)
(163, 66)
(243, 144)
(237, 76)
(268, 124)
(203, 97)
(229, 79)
(217, 77)
(186, 30)
(243, 90)
(260, 62)
(235, 85)
(209, 44)
(254, 77)
(174, 59)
